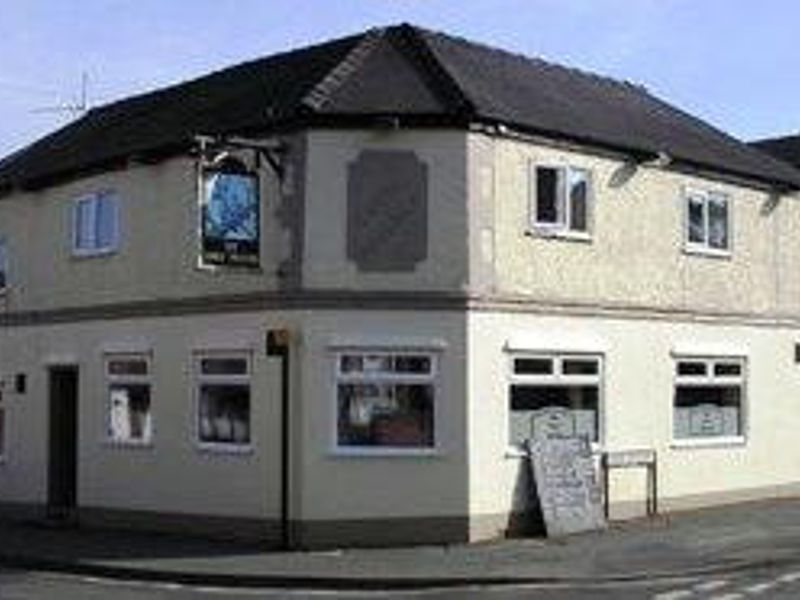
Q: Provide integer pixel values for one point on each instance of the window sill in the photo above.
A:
(211, 448)
(129, 444)
(387, 452)
(98, 253)
(719, 442)
(227, 268)
(559, 234)
(707, 252)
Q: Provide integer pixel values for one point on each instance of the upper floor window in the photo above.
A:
(95, 224)
(560, 198)
(3, 264)
(707, 222)
(230, 215)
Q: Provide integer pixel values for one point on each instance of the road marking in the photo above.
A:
(789, 577)
(674, 595)
(760, 588)
(710, 586)
(731, 596)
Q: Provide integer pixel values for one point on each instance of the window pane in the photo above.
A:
(84, 224)
(547, 194)
(129, 418)
(223, 366)
(697, 224)
(225, 414)
(539, 411)
(578, 199)
(579, 366)
(718, 223)
(711, 411)
(415, 363)
(533, 366)
(377, 363)
(105, 221)
(351, 363)
(385, 415)
(727, 369)
(691, 368)
(127, 366)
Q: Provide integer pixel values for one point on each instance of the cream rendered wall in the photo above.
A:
(158, 250)
(330, 152)
(174, 475)
(634, 292)
(636, 406)
(341, 485)
(635, 257)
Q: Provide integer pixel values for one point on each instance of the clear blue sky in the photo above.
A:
(734, 63)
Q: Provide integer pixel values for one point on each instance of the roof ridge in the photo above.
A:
(547, 64)
(320, 94)
(408, 40)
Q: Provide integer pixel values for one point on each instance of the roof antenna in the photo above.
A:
(76, 109)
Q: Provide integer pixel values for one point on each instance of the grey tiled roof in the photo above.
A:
(413, 76)
(786, 148)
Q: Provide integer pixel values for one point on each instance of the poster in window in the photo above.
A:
(230, 217)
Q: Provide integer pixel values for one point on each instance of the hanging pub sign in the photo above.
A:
(230, 215)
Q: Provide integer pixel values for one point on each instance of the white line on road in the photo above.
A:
(760, 588)
(789, 577)
(674, 595)
(710, 586)
(731, 596)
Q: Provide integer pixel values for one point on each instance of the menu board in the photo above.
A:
(567, 485)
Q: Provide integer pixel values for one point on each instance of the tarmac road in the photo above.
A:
(774, 583)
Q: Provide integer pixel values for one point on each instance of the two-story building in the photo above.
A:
(328, 294)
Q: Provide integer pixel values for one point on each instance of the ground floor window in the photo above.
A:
(223, 399)
(709, 398)
(385, 399)
(129, 398)
(554, 395)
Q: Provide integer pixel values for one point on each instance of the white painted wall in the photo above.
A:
(637, 405)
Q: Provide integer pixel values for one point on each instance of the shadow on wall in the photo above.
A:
(525, 519)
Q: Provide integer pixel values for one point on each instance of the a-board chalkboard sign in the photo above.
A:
(566, 482)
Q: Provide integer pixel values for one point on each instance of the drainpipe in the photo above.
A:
(278, 346)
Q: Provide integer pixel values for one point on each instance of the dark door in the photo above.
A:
(63, 458)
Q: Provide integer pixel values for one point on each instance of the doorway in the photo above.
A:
(62, 476)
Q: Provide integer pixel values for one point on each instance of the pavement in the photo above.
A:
(711, 541)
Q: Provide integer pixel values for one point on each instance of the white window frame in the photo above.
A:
(111, 379)
(93, 200)
(709, 379)
(432, 378)
(704, 248)
(199, 378)
(556, 379)
(562, 227)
